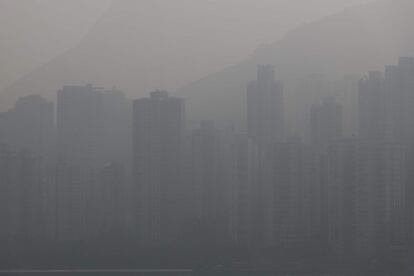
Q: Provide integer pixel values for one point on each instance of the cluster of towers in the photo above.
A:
(103, 166)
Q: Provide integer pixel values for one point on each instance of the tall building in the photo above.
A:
(325, 123)
(399, 86)
(265, 107)
(396, 159)
(293, 186)
(21, 196)
(158, 129)
(265, 126)
(380, 196)
(205, 173)
(80, 125)
(6, 200)
(75, 188)
(243, 167)
(400, 92)
(306, 92)
(29, 126)
(340, 197)
(370, 198)
(406, 82)
(388, 114)
(111, 200)
(347, 96)
(26, 147)
(366, 196)
(372, 108)
(117, 121)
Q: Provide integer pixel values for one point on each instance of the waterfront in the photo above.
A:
(95, 272)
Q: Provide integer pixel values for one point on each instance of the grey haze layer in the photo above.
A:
(352, 42)
(121, 50)
(138, 44)
(33, 32)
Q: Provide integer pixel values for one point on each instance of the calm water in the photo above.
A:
(142, 272)
(183, 272)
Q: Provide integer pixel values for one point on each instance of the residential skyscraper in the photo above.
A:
(21, 196)
(292, 194)
(366, 196)
(75, 188)
(340, 193)
(325, 123)
(372, 108)
(111, 200)
(380, 201)
(158, 129)
(243, 166)
(307, 91)
(205, 172)
(265, 126)
(80, 125)
(399, 87)
(117, 121)
(29, 126)
(265, 107)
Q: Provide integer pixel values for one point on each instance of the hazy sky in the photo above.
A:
(34, 31)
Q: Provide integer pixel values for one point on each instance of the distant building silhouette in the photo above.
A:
(117, 130)
(158, 129)
(244, 173)
(291, 194)
(399, 86)
(207, 178)
(340, 198)
(112, 200)
(372, 108)
(137, 170)
(80, 125)
(75, 188)
(21, 190)
(265, 107)
(325, 123)
(29, 126)
(307, 91)
(265, 126)
(93, 130)
(380, 196)
(366, 196)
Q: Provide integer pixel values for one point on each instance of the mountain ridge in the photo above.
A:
(354, 41)
(334, 45)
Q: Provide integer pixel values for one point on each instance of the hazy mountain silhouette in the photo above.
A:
(142, 45)
(355, 40)
(32, 32)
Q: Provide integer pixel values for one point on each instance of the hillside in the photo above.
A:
(120, 50)
(354, 41)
